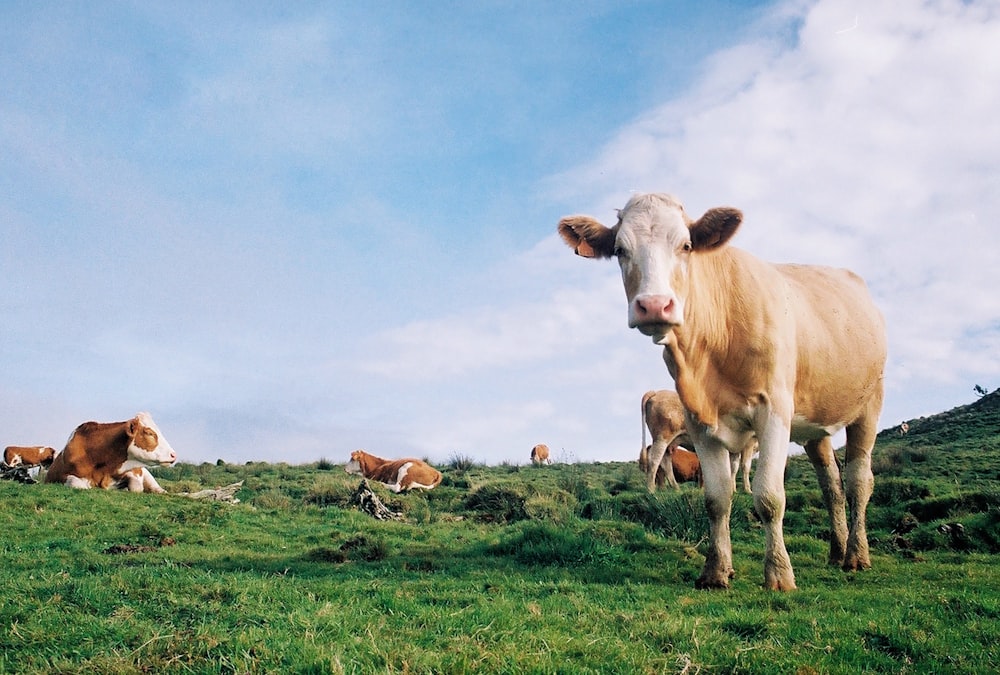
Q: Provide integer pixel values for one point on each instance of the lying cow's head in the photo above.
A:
(354, 466)
(147, 446)
(653, 241)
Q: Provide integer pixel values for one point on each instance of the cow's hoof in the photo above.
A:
(712, 582)
(779, 585)
(856, 564)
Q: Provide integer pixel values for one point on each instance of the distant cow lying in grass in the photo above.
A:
(399, 475)
(28, 456)
(684, 464)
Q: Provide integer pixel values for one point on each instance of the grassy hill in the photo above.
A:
(568, 568)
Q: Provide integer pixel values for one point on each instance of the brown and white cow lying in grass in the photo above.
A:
(113, 455)
(775, 352)
(28, 456)
(399, 475)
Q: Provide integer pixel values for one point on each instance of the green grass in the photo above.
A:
(570, 568)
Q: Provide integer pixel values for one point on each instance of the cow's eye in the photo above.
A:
(686, 247)
(620, 252)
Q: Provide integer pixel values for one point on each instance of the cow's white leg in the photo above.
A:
(769, 501)
(658, 456)
(148, 483)
(859, 481)
(717, 474)
(824, 462)
(734, 464)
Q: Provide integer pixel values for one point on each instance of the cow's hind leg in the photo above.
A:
(659, 455)
(824, 461)
(859, 482)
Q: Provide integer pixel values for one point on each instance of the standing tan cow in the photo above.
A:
(779, 352)
(662, 413)
(28, 456)
(113, 455)
(540, 454)
(399, 475)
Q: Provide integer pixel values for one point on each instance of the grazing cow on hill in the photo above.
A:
(903, 429)
(779, 352)
(398, 475)
(540, 454)
(28, 456)
(113, 455)
(683, 468)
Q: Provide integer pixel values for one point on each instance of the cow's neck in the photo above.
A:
(369, 463)
(699, 353)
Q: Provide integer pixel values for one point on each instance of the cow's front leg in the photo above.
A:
(769, 502)
(716, 472)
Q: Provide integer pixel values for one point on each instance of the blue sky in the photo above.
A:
(292, 232)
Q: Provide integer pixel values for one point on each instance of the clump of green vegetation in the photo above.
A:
(497, 504)
(460, 462)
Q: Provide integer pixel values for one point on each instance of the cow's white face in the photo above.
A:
(652, 246)
(148, 447)
(653, 242)
(354, 466)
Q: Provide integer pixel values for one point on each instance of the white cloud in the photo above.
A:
(876, 149)
(843, 148)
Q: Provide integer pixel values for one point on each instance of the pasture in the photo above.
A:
(568, 568)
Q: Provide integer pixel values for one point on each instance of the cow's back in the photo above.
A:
(95, 452)
(840, 340)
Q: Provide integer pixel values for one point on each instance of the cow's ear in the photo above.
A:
(587, 237)
(715, 228)
(133, 427)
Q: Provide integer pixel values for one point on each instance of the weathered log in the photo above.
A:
(222, 494)
(368, 502)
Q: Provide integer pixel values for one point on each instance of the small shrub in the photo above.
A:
(329, 493)
(272, 499)
(326, 554)
(325, 465)
(546, 544)
(496, 504)
(460, 462)
(417, 508)
(896, 491)
(363, 547)
(556, 507)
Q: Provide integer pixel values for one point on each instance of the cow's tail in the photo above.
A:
(642, 418)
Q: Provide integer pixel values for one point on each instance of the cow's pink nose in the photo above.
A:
(653, 307)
